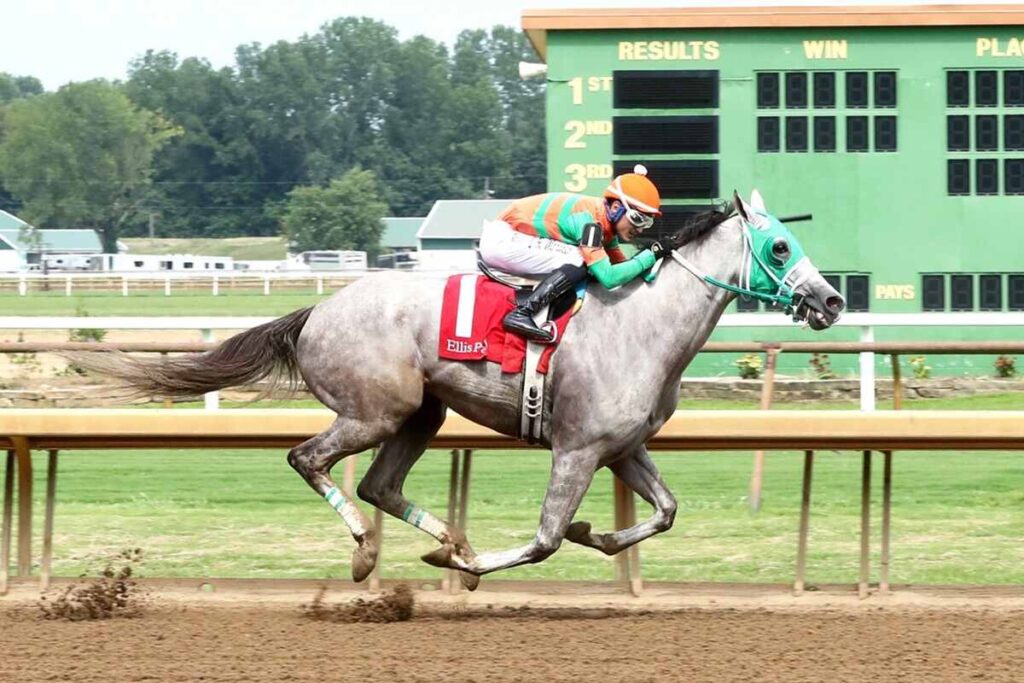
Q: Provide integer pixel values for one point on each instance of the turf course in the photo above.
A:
(956, 516)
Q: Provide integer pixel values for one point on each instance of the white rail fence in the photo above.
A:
(867, 323)
(216, 282)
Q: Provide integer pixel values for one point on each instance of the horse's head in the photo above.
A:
(776, 269)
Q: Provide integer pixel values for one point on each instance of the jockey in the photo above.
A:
(562, 236)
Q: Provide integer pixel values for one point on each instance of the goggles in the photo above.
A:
(638, 219)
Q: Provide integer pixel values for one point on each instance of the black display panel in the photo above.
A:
(857, 89)
(1013, 131)
(671, 89)
(1014, 176)
(958, 133)
(961, 292)
(824, 133)
(824, 89)
(933, 292)
(1013, 88)
(673, 218)
(1015, 291)
(990, 292)
(958, 89)
(986, 89)
(685, 179)
(986, 176)
(885, 133)
(856, 133)
(767, 90)
(796, 133)
(958, 177)
(665, 134)
(885, 89)
(796, 90)
(857, 290)
(986, 133)
(767, 134)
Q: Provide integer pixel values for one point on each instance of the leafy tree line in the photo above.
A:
(323, 131)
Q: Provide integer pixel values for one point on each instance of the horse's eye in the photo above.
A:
(780, 250)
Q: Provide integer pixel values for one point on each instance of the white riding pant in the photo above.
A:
(521, 254)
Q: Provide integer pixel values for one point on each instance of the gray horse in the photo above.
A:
(369, 353)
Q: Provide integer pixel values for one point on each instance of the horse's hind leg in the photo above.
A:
(313, 460)
(640, 474)
(382, 484)
(571, 474)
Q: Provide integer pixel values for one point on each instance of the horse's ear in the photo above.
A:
(737, 204)
(757, 202)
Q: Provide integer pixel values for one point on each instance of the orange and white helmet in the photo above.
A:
(636, 191)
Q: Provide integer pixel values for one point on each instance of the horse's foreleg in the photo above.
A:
(640, 474)
(382, 484)
(571, 474)
(313, 460)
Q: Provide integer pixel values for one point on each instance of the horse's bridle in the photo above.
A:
(785, 295)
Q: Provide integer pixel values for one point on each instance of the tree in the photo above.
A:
(80, 157)
(16, 87)
(344, 215)
(206, 180)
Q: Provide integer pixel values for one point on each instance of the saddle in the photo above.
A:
(531, 403)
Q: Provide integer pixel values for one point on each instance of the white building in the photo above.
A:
(451, 232)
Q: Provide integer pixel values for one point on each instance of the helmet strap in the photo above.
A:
(614, 216)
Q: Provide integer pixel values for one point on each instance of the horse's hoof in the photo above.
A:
(470, 581)
(364, 559)
(442, 557)
(579, 532)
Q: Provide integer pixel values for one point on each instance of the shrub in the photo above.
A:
(1006, 366)
(750, 366)
(920, 367)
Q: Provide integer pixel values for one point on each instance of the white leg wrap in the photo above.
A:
(347, 509)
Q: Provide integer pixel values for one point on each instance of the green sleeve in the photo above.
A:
(612, 275)
(572, 226)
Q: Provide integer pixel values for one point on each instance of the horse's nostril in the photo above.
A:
(835, 303)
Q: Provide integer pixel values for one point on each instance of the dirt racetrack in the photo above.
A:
(749, 634)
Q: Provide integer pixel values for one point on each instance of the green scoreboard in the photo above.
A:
(900, 128)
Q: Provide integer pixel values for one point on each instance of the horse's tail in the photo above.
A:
(247, 357)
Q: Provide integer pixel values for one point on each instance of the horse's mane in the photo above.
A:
(698, 227)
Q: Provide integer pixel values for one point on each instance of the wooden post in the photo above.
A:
(883, 579)
(865, 525)
(805, 522)
(378, 525)
(618, 502)
(627, 562)
(24, 457)
(897, 383)
(767, 389)
(8, 514)
(51, 494)
(450, 580)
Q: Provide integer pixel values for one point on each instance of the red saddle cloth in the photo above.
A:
(471, 315)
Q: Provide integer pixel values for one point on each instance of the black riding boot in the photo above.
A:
(560, 281)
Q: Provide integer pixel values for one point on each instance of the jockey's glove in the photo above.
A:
(661, 248)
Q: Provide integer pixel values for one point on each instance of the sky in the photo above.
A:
(59, 41)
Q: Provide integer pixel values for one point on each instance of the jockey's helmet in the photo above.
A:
(637, 194)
